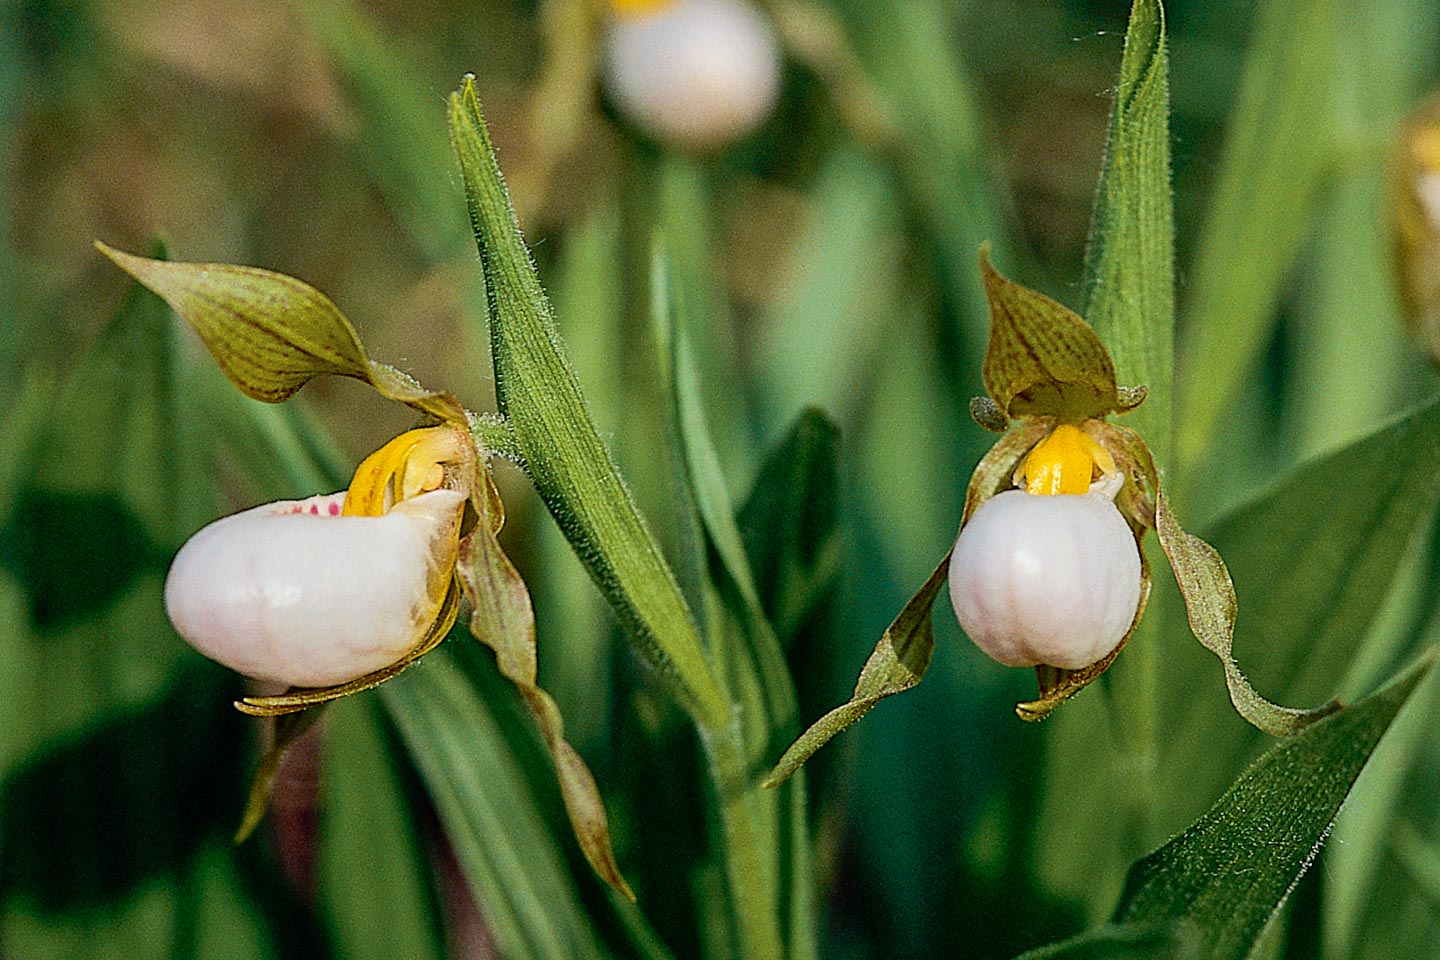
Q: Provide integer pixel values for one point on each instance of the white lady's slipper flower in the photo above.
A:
(318, 592)
(1049, 574)
(695, 73)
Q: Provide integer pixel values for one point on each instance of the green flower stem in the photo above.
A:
(493, 434)
(749, 860)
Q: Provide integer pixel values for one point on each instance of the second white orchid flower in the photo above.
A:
(323, 591)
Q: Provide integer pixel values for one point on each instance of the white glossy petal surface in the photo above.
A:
(296, 593)
(698, 74)
(1046, 579)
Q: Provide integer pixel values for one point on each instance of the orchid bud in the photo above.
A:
(1415, 223)
(699, 74)
(300, 593)
(1049, 574)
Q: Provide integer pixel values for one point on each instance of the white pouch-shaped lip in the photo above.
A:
(297, 593)
(1046, 579)
(694, 73)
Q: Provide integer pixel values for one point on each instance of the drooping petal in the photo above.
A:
(297, 593)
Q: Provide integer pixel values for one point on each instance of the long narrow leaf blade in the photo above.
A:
(567, 460)
(1280, 144)
(1129, 267)
(1231, 870)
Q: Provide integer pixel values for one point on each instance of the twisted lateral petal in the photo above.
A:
(1046, 579)
(694, 73)
(297, 593)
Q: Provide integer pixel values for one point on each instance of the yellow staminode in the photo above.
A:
(411, 464)
(639, 8)
(1065, 462)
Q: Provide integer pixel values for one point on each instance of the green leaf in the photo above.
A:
(910, 101)
(1311, 558)
(74, 554)
(271, 333)
(399, 143)
(373, 874)
(1230, 871)
(566, 459)
(789, 523)
(491, 814)
(820, 341)
(767, 848)
(1042, 358)
(1129, 265)
(1280, 146)
(1311, 561)
(87, 822)
(503, 618)
(1122, 942)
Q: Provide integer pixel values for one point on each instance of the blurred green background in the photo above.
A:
(834, 261)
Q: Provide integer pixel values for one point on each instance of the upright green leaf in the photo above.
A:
(1129, 266)
(771, 878)
(510, 857)
(372, 873)
(789, 523)
(1279, 147)
(566, 459)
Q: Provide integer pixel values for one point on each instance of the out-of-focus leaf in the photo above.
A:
(1210, 603)
(97, 472)
(931, 129)
(789, 523)
(768, 861)
(564, 455)
(1225, 877)
(1279, 147)
(271, 333)
(372, 871)
(503, 618)
(490, 813)
(87, 821)
(399, 141)
(819, 343)
(1042, 358)
(74, 553)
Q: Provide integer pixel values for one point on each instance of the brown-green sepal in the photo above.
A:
(1042, 357)
(898, 662)
(271, 333)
